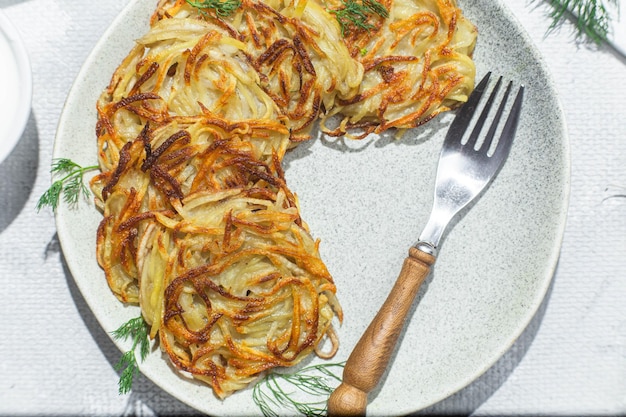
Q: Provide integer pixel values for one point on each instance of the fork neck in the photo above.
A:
(433, 231)
(426, 248)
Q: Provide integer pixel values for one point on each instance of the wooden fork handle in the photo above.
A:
(370, 357)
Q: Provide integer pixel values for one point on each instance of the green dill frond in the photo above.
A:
(128, 365)
(71, 185)
(137, 330)
(222, 8)
(50, 198)
(133, 328)
(592, 17)
(376, 8)
(305, 391)
(356, 14)
(63, 166)
(74, 187)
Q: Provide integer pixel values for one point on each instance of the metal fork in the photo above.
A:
(465, 169)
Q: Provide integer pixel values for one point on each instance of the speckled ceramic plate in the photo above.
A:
(368, 201)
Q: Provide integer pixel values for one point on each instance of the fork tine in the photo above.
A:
(506, 137)
(496, 119)
(462, 119)
(471, 142)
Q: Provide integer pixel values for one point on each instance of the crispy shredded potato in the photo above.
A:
(199, 227)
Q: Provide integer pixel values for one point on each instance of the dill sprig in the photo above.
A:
(592, 17)
(294, 390)
(137, 330)
(70, 185)
(356, 14)
(223, 8)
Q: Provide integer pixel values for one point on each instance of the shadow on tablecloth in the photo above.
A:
(146, 398)
(18, 173)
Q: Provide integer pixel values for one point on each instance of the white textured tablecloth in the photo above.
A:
(571, 360)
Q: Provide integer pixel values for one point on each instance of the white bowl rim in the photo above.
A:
(22, 61)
